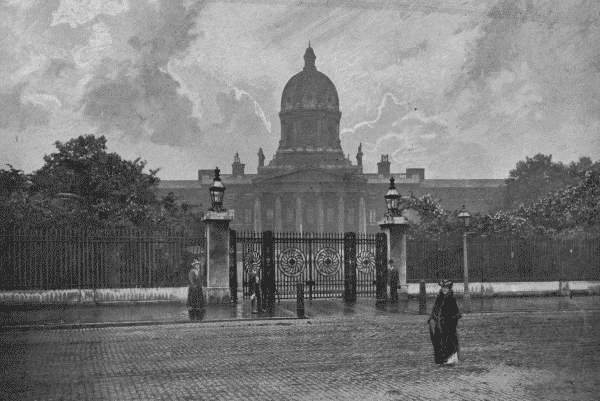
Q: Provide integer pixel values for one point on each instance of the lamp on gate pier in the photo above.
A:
(392, 200)
(217, 192)
(465, 219)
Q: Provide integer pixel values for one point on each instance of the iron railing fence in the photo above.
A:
(108, 258)
(125, 258)
(504, 259)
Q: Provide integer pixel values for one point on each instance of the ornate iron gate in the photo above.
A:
(328, 264)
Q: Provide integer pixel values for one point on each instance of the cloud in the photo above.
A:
(432, 85)
(16, 113)
(79, 12)
(138, 96)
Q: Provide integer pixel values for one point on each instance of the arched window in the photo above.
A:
(372, 217)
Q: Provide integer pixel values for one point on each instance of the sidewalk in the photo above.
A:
(63, 316)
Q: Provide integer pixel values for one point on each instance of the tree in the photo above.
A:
(11, 181)
(576, 207)
(534, 178)
(538, 176)
(104, 187)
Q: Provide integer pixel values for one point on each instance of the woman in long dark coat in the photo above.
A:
(442, 325)
(195, 301)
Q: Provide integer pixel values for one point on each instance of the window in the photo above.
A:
(310, 216)
(290, 215)
(350, 216)
(373, 217)
(269, 214)
(330, 215)
(247, 216)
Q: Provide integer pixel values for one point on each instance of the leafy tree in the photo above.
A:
(534, 178)
(538, 176)
(11, 181)
(103, 186)
(576, 207)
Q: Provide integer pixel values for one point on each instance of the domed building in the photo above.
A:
(309, 185)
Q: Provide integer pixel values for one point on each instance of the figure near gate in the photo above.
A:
(196, 277)
(393, 279)
(256, 290)
(442, 325)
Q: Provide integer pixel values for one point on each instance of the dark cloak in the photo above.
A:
(442, 327)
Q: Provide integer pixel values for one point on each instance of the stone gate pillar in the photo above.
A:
(395, 228)
(217, 257)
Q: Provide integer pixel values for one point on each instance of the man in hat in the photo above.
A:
(393, 281)
(442, 325)
(195, 301)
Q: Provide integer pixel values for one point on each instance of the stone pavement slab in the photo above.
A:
(533, 355)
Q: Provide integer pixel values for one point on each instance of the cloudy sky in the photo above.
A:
(461, 88)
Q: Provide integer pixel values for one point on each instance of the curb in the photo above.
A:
(71, 326)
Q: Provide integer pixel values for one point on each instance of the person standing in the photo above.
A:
(442, 325)
(393, 280)
(255, 290)
(195, 301)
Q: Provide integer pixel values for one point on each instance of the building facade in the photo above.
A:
(309, 185)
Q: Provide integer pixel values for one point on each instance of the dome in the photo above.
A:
(309, 89)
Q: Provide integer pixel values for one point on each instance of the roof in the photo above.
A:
(173, 184)
(466, 183)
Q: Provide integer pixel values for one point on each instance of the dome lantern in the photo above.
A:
(309, 59)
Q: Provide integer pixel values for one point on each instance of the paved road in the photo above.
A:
(508, 356)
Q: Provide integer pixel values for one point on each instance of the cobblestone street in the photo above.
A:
(508, 355)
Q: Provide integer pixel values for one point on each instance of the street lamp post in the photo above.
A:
(465, 219)
(392, 200)
(217, 191)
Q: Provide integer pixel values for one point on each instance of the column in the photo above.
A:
(278, 218)
(320, 214)
(257, 216)
(395, 228)
(298, 213)
(362, 216)
(341, 214)
(217, 257)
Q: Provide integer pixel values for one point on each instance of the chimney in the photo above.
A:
(383, 167)
(237, 168)
(359, 155)
(261, 158)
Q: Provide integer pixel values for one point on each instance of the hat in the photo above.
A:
(446, 283)
(196, 262)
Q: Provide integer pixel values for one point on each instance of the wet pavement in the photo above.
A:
(540, 349)
(64, 316)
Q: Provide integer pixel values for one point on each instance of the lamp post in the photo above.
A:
(392, 200)
(217, 191)
(465, 218)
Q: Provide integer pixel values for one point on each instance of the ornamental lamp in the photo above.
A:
(392, 199)
(217, 192)
(464, 217)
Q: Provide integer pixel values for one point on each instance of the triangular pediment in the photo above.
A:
(310, 174)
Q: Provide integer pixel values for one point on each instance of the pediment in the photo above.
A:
(310, 175)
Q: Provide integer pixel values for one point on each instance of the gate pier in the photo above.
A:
(217, 257)
(395, 228)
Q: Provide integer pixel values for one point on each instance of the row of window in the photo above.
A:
(330, 216)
